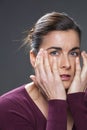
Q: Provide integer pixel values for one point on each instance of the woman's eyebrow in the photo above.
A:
(75, 48)
(57, 48)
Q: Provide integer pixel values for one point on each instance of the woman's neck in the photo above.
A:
(37, 98)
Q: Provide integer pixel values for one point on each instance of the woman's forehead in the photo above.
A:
(62, 39)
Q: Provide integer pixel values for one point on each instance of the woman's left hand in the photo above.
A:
(79, 83)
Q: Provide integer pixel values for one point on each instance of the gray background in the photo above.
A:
(16, 16)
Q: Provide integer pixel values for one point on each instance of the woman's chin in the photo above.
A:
(66, 85)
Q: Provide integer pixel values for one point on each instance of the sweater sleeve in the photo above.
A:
(78, 106)
(57, 115)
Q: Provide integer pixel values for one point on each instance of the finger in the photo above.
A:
(33, 78)
(39, 67)
(37, 63)
(78, 68)
(47, 66)
(84, 56)
(76, 81)
(55, 69)
(84, 68)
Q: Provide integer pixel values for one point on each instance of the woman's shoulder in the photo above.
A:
(16, 100)
(11, 97)
(16, 105)
(12, 93)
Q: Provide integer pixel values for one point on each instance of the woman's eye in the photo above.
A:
(54, 53)
(75, 54)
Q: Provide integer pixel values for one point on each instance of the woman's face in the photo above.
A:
(65, 46)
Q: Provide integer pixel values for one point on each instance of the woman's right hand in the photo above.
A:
(47, 77)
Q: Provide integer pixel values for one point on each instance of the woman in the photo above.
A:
(57, 98)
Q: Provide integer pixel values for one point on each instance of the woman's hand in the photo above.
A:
(47, 77)
(79, 83)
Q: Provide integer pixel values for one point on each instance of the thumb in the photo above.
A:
(33, 78)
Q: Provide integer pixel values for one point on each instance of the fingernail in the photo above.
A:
(84, 52)
(41, 50)
(77, 59)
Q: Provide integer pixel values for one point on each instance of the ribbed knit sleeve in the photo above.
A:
(78, 106)
(57, 115)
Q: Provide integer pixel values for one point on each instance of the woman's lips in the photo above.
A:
(65, 77)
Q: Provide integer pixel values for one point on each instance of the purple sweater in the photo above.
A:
(19, 112)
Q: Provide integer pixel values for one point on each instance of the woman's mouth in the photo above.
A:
(65, 77)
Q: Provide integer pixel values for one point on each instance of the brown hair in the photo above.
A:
(50, 22)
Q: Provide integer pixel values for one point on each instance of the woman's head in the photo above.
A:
(60, 36)
(47, 23)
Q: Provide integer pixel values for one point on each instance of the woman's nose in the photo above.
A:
(65, 62)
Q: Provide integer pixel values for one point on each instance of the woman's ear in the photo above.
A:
(32, 58)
